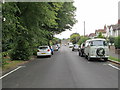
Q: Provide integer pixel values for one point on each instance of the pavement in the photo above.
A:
(65, 69)
(112, 53)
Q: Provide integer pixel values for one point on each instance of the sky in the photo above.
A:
(95, 13)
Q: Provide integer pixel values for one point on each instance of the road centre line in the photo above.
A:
(11, 72)
(114, 66)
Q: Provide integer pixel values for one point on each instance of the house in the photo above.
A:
(100, 31)
(92, 35)
(113, 30)
(103, 31)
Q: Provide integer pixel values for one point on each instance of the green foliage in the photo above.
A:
(56, 41)
(31, 24)
(74, 38)
(111, 40)
(100, 35)
(21, 53)
(82, 39)
(117, 42)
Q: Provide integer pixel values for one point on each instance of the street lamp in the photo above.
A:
(84, 28)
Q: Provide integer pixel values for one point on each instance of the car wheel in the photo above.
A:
(88, 58)
(79, 54)
(105, 59)
(52, 53)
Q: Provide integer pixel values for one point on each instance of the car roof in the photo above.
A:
(96, 39)
(43, 46)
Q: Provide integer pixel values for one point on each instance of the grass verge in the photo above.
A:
(8, 64)
(115, 59)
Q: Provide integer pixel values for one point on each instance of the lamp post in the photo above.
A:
(84, 28)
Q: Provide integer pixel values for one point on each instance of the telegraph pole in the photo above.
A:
(84, 28)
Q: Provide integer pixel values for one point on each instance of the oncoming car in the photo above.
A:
(44, 51)
(96, 48)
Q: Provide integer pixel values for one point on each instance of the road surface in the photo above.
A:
(65, 69)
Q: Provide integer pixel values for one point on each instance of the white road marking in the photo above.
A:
(11, 72)
(114, 66)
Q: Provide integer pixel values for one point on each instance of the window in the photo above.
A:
(98, 43)
(43, 47)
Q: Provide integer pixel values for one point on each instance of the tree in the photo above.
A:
(82, 40)
(30, 24)
(100, 35)
(117, 42)
(111, 40)
(74, 38)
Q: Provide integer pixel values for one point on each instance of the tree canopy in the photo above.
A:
(74, 38)
(30, 24)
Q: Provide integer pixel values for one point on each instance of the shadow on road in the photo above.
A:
(41, 57)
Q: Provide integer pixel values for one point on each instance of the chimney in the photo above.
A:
(105, 27)
(119, 21)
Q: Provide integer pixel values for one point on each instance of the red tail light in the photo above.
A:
(48, 50)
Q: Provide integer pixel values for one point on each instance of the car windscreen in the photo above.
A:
(98, 43)
(43, 47)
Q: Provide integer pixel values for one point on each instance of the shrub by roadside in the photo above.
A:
(117, 42)
(115, 59)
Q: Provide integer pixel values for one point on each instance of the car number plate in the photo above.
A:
(43, 53)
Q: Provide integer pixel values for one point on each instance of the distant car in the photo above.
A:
(52, 50)
(58, 45)
(81, 49)
(70, 45)
(65, 44)
(44, 51)
(75, 47)
(55, 47)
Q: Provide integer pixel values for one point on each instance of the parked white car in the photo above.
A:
(75, 47)
(96, 48)
(55, 47)
(44, 51)
(70, 45)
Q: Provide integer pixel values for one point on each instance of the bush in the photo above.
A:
(21, 51)
(82, 39)
(117, 42)
(111, 40)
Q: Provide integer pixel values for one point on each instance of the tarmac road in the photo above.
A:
(65, 69)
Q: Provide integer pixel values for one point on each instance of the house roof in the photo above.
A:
(119, 21)
(109, 27)
(118, 26)
(92, 35)
(100, 30)
(115, 27)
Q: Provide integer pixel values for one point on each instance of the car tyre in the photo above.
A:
(105, 59)
(88, 58)
(52, 53)
(79, 54)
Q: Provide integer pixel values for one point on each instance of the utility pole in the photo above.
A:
(84, 28)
